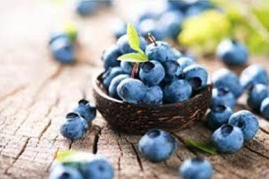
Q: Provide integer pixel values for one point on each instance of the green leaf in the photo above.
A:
(71, 30)
(67, 156)
(133, 38)
(203, 146)
(133, 57)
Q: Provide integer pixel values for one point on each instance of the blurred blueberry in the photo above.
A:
(171, 21)
(119, 29)
(99, 168)
(151, 26)
(157, 145)
(265, 108)
(256, 95)
(222, 96)
(252, 75)
(60, 171)
(86, 109)
(226, 78)
(86, 7)
(232, 53)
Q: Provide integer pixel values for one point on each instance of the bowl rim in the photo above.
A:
(97, 87)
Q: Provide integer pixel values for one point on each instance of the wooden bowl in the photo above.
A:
(138, 119)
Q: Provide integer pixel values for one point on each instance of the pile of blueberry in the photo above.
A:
(62, 44)
(165, 21)
(78, 121)
(81, 165)
(89, 7)
(153, 74)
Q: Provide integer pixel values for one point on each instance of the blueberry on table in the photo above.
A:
(74, 127)
(232, 53)
(126, 66)
(253, 74)
(86, 109)
(218, 116)
(57, 35)
(171, 21)
(65, 172)
(265, 108)
(226, 78)
(98, 168)
(110, 57)
(151, 73)
(86, 7)
(110, 74)
(158, 51)
(157, 145)
(63, 50)
(228, 139)
(256, 95)
(112, 90)
(222, 96)
(125, 47)
(196, 168)
(247, 122)
(154, 96)
(196, 75)
(131, 90)
(177, 91)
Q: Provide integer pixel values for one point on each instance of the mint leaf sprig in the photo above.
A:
(134, 41)
(202, 146)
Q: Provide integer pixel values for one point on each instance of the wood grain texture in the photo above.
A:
(36, 93)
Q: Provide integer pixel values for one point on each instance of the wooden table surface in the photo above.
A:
(36, 93)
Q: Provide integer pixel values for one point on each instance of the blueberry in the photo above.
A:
(175, 54)
(63, 50)
(150, 26)
(228, 139)
(177, 91)
(86, 109)
(99, 168)
(247, 122)
(185, 62)
(222, 96)
(127, 66)
(196, 75)
(256, 95)
(110, 74)
(171, 70)
(74, 127)
(64, 172)
(157, 145)
(218, 116)
(265, 108)
(154, 96)
(124, 45)
(252, 75)
(112, 90)
(151, 73)
(56, 36)
(178, 5)
(196, 168)
(171, 22)
(119, 29)
(226, 78)
(110, 57)
(131, 90)
(159, 52)
(232, 53)
(86, 7)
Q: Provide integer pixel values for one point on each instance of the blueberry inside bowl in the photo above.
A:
(139, 118)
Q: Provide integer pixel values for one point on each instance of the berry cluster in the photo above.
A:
(150, 74)
(78, 121)
(80, 165)
(164, 21)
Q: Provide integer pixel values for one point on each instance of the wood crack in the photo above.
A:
(12, 92)
(96, 138)
(258, 153)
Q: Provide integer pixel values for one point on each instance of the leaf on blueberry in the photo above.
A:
(203, 146)
(64, 156)
(134, 41)
(133, 57)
